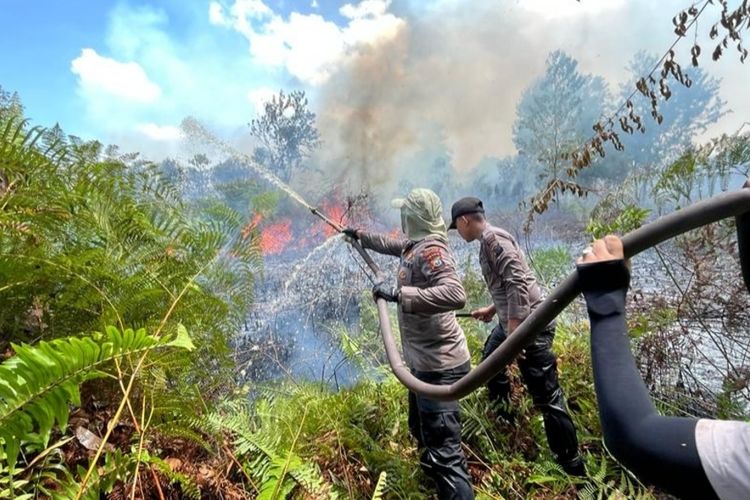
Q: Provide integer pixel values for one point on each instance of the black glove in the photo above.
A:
(351, 233)
(384, 291)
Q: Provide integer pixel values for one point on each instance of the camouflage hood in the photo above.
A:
(421, 215)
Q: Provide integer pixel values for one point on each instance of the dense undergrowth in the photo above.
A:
(356, 436)
(95, 241)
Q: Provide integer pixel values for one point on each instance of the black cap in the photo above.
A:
(465, 206)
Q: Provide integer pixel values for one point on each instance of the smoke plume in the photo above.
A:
(449, 81)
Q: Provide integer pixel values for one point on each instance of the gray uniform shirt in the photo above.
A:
(430, 291)
(724, 450)
(511, 283)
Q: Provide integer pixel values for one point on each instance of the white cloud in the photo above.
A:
(160, 132)
(216, 14)
(553, 9)
(310, 47)
(126, 80)
(365, 8)
(259, 97)
(198, 75)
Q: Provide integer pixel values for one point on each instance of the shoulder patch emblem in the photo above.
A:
(434, 257)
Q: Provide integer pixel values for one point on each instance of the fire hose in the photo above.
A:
(722, 206)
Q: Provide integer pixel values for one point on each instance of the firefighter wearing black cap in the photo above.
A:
(515, 294)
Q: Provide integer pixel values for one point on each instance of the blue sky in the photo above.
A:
(36, 58)
(128, 71)
(114, 69)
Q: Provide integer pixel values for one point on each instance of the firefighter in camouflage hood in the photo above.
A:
(428, 292)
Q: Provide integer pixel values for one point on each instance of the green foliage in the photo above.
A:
(363, 346)
(10, 105)
(380, 487)
(352, 436)
(116, 468)
(629, 218)
(551, 117)
(270, 459)
(287, 132)
(656, 319)
(609, 481)
(91, 238)
(551, 264)
(266, 201)
(356, 440)
(188, 488)
(701, 171)
(38, 383)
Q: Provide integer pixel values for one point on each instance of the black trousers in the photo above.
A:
(436, 425)
(539, 374)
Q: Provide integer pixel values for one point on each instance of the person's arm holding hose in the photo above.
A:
(743, 242)
(379, 243)
(679, 455)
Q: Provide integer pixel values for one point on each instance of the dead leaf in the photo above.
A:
(173, 463)
(89, 440)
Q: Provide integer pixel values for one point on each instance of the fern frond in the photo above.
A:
(116, 468)
(40, 381)
(380, 487)
(279, 470)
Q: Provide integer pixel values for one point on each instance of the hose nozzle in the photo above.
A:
(338, 227)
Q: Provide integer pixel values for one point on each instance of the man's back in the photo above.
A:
(511, 283)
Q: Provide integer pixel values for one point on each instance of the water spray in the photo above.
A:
(193, 128)
(700, 214)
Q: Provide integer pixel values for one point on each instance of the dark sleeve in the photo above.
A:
(382, 244)
(659, 450)
(743, 242)
(444, 291)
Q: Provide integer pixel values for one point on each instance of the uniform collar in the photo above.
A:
(489, 230)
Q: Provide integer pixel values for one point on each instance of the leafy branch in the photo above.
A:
(653, 86)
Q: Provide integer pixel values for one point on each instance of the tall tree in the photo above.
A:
(287, 133)
(556, 112)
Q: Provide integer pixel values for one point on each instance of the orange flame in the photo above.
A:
(278, 237)
(275, 238)
(337, 213)
(251, 226)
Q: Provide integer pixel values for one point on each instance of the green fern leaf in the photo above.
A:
(38, 383)
(380, 487)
